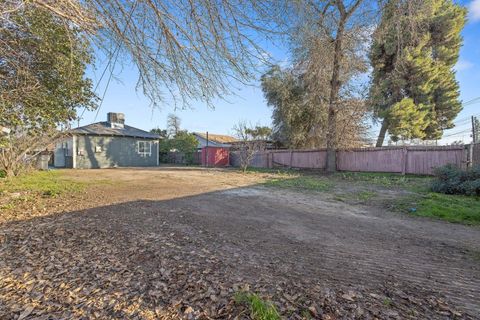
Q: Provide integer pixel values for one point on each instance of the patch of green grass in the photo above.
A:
(259, 308)
(387, 302)
(453, 208)
(410, 182)
(300, 182)
(362, 196)
(271, 170)
(45, 183)
(365, 195)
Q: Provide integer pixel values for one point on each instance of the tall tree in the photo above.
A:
(42, 71)
(173, 124)
(260, 132)
(163, 133)
(300, 110)
(42, 81)
(414, 92)
(336, 23)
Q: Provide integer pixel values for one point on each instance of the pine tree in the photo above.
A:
(415, 48)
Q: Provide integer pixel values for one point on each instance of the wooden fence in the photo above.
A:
(476, 154)
(181, 157)
(406, 160)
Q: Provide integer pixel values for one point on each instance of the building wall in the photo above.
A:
(203, 143)
(106, 152)
(63, 152)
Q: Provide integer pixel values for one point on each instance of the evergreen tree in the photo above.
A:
(415, 48)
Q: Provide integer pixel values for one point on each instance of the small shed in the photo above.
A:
(213, 140)
(215, 156)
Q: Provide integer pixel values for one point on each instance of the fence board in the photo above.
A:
(425, 161)
(260, 160)
(476, 154)
(302, 159)
(370, 160)
(414, 160)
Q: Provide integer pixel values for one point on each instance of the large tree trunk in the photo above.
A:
(331, 165)
(382, 133)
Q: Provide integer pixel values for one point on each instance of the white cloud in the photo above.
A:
(463, 65)
(474, 9)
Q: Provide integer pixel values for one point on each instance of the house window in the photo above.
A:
(144, 148)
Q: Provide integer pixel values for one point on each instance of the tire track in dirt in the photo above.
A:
(353, 248)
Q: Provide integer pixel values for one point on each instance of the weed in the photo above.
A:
(301, 182)
(365, 195)
(340, 197)
(387, 302)
(259, 308)
(411, 182)
(7, 206)
(306, 314)
(270, 170)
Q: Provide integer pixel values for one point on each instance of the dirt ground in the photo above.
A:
(170, 243)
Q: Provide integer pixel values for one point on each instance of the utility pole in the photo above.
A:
(474, 140)
(206, 152)
(474, 130)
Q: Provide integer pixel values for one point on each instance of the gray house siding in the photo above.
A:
(105, 152)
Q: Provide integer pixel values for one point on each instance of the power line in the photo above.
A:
(474, 100)
(465, 119)
(106, 87)
(458, 133)
(114, 53)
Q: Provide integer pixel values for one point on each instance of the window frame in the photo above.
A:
(145, 143)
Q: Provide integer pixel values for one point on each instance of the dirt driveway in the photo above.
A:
(176, 242)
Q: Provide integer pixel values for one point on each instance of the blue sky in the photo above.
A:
(248, 103)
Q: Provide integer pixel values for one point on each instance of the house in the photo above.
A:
(214, 140)
(107, 144)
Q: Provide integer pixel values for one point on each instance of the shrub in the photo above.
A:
(452, 180)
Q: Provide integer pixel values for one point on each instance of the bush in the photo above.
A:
(452, 180)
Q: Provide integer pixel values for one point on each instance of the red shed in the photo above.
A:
(215, 157)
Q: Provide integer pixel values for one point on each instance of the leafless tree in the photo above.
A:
(248, 145)
(173, 124)
(19, 149)
(192, 49)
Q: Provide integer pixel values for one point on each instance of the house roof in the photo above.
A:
(104, 129)
(218, 138)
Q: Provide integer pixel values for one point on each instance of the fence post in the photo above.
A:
(291, 158)
(404, 160)
(470, 156)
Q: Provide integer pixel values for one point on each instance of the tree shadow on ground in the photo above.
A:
(186, 257)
